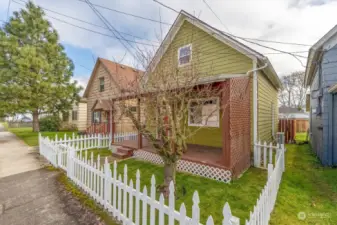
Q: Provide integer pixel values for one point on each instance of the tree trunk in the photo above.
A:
(36, 125)
(169, 175)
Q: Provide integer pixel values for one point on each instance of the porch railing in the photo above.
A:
(98, 128)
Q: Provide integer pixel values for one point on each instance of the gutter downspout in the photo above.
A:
(255, 113)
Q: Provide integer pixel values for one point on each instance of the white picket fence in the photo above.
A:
(266, 202)
(265, 153)
(125, 200)
(123, 197)
(89, 141)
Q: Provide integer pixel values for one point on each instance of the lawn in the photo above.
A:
(306, 187)
(241, 193)
(31, 138)
(102, 152)
(300, 137)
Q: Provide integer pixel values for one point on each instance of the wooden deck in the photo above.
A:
(207, 155)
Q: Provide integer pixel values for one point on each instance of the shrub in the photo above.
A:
(50, 123)
(68, 127)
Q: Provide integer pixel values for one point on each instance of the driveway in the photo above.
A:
(15, 156)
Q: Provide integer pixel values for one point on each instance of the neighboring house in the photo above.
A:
(77, 117)
(26, 119)
(107, 80)
(321, 77)
(300, 118)
(227, 140)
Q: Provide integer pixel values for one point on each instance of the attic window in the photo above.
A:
(101, 84)
(185, 55)
(123, 67)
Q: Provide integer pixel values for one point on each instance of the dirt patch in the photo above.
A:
(3, 141)
(75, 208)
(85, 209)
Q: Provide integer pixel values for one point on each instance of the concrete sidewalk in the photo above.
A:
(15, 156)
(32, 198)
(31, 195)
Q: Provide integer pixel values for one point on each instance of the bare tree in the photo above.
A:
(294, 92)
(170, 98)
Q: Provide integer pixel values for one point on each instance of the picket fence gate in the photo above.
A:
(125, 200)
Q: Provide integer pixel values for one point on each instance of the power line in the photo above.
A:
(136, 42)
(9, 4)
(109, 26)
(126, 13)
(253, 39)
(90, 30)
(87, 22)
(209, 7)
(244, 39)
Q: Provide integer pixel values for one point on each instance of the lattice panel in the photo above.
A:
(188, 166)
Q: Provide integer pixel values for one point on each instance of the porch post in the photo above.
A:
(225, 125)
(140, 139)
(112, 130)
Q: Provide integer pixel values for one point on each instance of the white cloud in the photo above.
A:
(302, 21)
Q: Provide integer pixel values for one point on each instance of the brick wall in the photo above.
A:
(240, 122)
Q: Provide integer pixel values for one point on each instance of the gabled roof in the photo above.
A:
(316, 52)
(220, 35)
(124, 76)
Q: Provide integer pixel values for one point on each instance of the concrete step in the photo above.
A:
(125, 150)
(120, 155)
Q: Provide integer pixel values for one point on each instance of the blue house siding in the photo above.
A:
(329, 74)
(316, 118)
(333, 134)
(324, 140)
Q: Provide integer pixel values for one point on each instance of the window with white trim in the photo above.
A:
(204, 112)
(185, 55)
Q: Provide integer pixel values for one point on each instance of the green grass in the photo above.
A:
(306, 187)
(300, 137)
(241, 193)
(102, 152)
(31, 138)
(86, 200)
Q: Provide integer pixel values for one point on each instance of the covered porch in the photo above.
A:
(207, 155)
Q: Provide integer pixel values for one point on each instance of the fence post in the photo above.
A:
(70, 162)
(40, 146)
(99, 138)
(107, 176)
(270, 169)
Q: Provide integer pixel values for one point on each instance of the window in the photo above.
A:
(65, 116)
(185, 55)
(133, 109)
(101, 84)
(74, 115)
(204, 112)
(96, 117)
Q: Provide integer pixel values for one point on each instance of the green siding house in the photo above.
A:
(248, 101)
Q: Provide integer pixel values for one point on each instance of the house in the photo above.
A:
(225, 141)
(107, 80)
(76, 117)
(321, 77)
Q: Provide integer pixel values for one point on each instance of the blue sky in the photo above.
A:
(302, 21)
